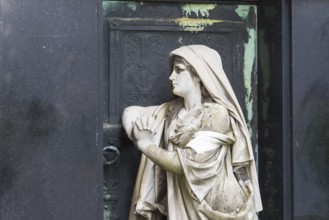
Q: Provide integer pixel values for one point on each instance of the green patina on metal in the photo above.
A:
(197, 9)
(132, 5)
(106, 198)
(249, 60)
(113, 5)
(187, 24)
(107, 5)
(243, 11)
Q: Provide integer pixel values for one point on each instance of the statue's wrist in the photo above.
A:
(144, 144)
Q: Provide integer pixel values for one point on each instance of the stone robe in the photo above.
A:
(209, 187)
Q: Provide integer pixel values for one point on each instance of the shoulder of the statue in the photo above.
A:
(215, 117)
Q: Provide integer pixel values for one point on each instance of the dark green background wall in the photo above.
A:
(50, 153)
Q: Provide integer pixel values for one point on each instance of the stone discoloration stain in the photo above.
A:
(198, 9)
(195, 24)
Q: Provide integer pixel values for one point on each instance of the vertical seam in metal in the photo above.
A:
(287, 98)
(99, 107)
(291, 179)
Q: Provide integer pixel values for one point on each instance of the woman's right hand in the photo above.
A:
(145, 131)
(130, 115)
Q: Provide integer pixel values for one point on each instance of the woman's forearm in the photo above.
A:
(168, 160)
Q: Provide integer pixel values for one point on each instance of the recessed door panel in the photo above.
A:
(139, 37)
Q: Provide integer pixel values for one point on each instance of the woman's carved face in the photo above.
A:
(183, 80)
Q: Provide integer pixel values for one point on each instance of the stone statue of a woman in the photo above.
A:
(197, 160)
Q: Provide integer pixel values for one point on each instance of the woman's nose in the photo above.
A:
(171, 77)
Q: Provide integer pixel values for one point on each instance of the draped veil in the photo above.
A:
(208, 65)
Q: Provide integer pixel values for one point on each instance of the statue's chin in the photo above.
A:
(177, 92)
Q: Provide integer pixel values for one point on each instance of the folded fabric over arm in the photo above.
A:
(202, 160)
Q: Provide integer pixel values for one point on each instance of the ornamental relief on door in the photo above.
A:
(141, 81)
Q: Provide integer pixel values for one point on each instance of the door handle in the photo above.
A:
(110, 148)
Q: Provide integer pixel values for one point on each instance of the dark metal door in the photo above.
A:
(138, 37)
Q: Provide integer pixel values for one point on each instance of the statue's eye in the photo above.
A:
(179, 69)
